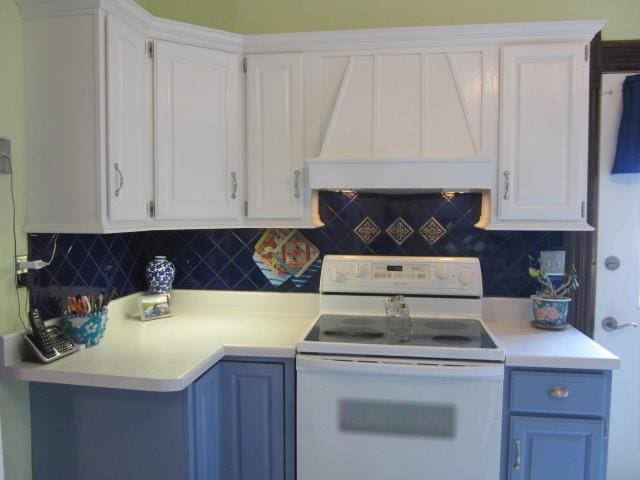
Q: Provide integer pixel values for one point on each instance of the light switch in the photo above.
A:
(552, 262)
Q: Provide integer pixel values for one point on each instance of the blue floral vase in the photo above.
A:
(86, 329)
(550, 313)
(160, 273)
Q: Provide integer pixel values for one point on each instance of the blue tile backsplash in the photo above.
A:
(355, 223)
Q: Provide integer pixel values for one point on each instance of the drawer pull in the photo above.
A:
(518, 456)
(559, 392)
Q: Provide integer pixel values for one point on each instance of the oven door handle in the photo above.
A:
(415, 368)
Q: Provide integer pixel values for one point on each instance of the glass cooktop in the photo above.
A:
(424, 332)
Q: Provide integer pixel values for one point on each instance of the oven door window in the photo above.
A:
(397, 418)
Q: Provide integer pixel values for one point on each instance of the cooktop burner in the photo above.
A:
(376, 330)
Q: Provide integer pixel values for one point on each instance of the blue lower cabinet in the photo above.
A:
(556, 449)
(253, 444)
(236, 422)
(555, 424)
(86, 433)
(207, 425)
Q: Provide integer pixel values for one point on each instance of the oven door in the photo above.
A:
(382, 419)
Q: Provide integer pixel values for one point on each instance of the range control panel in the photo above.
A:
(451, 276)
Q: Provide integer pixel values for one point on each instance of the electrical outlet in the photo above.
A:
(5, 156)
(21, 274)
(552, 262)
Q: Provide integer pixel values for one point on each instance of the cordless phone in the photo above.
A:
(48, 343)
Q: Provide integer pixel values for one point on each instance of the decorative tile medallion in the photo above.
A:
(432, 231)
(296, 254)
(399, 230)
(367, 230)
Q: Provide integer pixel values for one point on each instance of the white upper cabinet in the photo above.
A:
(406, 104)
(129, 132)
(133, 122)
(542, 173)
(198, 133)
(274, 137)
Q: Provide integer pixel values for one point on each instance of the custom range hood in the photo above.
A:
(417, 120)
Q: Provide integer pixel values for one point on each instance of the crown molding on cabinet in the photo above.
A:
(137, 17)
(402, 37)
(424, 37)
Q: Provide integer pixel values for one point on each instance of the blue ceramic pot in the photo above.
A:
(160, 273)
(550, 312)
(86, 329)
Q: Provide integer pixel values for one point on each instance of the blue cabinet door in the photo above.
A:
(206, 425)
(556, 449)
(253, 421)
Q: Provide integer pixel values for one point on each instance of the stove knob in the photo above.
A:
(441, 272)
(336, 275)
(464, 278)
(358, 271)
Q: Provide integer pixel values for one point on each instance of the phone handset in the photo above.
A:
(40, 334)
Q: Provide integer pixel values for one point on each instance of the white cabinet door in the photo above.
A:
(543, 132)
(274, 136)
(198, 132)
(402, 104)
(129, 115)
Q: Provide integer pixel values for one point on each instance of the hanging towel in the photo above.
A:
(628, 150)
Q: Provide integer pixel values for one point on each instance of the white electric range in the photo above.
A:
(422, 404)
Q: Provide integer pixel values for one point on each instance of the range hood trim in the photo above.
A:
(414, 174)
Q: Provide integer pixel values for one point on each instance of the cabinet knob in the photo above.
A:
(296, 183)
(116, 167)
(518, 455)
(559, 392)
(234, 185)
(507, 184)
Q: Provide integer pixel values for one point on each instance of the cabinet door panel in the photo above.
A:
(207, 428)
(556, 449)
(543, 133)
(274, 136)
(129, 134)
(198, 132)
(253, 421)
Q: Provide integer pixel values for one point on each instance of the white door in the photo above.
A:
(274, 136)
(198, 133)
(129, 118)
(618, 291)
(543, 132)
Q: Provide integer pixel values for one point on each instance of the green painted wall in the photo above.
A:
(14, 400)
(272, 16)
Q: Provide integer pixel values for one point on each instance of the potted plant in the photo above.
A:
(551, 301)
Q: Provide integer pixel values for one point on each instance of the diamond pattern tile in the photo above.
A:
(399, 230)
(354, 224)
(432, 231)
(367, 230)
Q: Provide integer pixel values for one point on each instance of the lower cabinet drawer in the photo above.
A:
(559, 393)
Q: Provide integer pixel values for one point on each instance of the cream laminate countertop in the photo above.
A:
(169, 354)
(525, 346)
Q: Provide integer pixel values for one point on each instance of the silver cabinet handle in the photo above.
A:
(296, 183)
(507, 184)
(517, 456)
(559, 392)
(610, 324)
(121, 179)
(234, 185)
